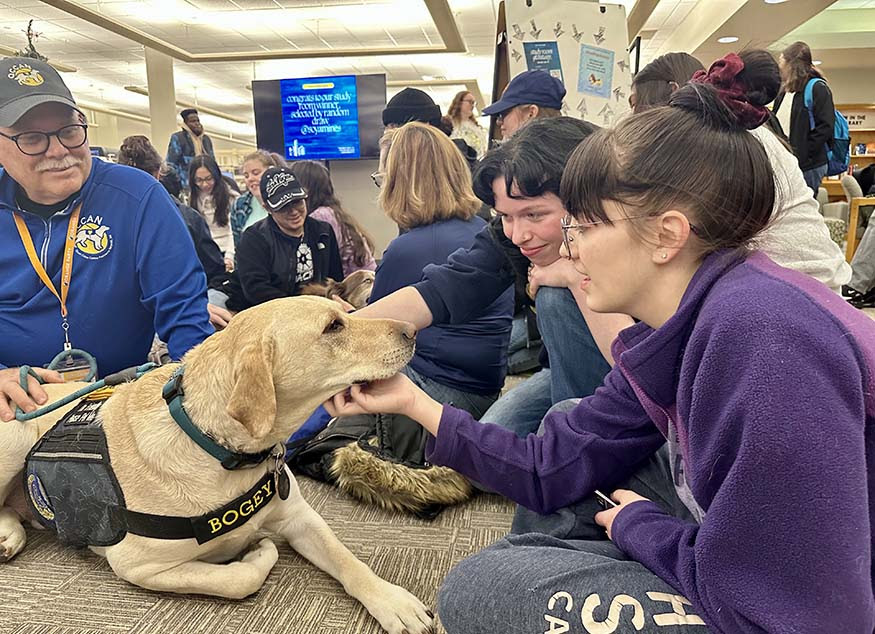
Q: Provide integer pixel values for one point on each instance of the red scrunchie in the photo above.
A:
(723, 75)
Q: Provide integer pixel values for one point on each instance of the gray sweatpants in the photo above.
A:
(559, 573)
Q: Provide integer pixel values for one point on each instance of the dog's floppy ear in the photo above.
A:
(253, 400)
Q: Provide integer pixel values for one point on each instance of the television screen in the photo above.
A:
(320, 118)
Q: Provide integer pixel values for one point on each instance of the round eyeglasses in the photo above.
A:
(377, 177)
(35, 143)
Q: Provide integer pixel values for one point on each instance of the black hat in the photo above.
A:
(279, 187)
(25, 83)
(411, 105)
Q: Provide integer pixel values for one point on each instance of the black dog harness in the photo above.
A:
(72, 489)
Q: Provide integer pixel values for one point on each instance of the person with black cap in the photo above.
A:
(528, 96)
(412, 104)
(287, 249)
(189, 142)
(95, 256)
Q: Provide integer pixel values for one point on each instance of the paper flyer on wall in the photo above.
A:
(596, 72)
(544, 56)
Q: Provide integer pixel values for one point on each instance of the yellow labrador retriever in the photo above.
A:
(248, 388)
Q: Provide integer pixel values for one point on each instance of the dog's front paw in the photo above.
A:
(399, 612)
(263, 555)
(12, 539)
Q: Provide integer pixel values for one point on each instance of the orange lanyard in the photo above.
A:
(66, 269)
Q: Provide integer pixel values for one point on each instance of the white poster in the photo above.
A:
(587, 41)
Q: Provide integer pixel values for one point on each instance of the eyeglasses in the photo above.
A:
(377, 177)
(567, 223)
(471, 101)
(36, 143)
(297, 206)
(204, 180)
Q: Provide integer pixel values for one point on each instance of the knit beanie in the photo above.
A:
(411, 105)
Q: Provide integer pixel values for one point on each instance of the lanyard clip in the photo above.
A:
(66, 327)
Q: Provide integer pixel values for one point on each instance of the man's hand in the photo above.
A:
(560, 274)
(229, 265)
(623, 498)
(219, 316)
(11, 393)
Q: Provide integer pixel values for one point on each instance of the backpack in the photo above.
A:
(839, 155)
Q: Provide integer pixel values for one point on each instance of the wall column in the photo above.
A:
(162, 99)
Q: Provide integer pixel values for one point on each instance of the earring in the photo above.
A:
(664, 255)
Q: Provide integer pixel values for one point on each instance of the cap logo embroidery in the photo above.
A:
(277, 181)
(25, 75)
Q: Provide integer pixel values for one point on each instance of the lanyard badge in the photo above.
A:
(66, 269)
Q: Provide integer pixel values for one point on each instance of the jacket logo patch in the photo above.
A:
(25, 75)
(39, 498)
(93, 238)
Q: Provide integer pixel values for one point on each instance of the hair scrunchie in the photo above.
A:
(723, 75)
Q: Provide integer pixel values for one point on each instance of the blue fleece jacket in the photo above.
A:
(768, 378)
(135, 273)
(469, 354)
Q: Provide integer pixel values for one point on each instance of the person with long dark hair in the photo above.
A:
(739, 411)
(214, 200)
(810, 130)
(356, 245)
(797, 236)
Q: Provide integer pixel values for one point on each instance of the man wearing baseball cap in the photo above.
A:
(280, 253)
(529, 95)
(94, 255)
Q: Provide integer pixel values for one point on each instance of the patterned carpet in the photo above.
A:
(49, 589)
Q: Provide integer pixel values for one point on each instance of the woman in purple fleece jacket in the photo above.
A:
(736, 431)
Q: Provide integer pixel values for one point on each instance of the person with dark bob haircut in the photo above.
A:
(797, 236)
(732, 443)
(520, 181)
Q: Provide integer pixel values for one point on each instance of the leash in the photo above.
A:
(122, 376)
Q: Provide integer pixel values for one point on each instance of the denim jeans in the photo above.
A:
(814, 176)
(577, 366)
(559, 572)
(522, 355)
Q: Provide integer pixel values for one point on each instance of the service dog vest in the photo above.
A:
(72, 489)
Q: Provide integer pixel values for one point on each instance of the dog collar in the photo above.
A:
(173, 395)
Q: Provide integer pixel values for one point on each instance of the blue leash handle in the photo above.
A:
(75, 352)
(113, 379)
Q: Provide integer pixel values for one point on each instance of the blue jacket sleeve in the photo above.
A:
(175, 160)
(172, 281)
(786, 540)
(597, 444)
(471, 279)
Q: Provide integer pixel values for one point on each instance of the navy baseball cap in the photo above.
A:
(26, 83)
(536, 87)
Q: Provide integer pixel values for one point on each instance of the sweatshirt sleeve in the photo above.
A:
(468, 283)
(597, 444)
(172, 280)
(785, 544)
(253, 269)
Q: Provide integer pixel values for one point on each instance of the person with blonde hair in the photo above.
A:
(426, 190)
(249, 208)
(465, 124)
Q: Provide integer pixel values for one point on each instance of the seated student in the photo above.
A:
(214, 200)
(283, 251)
(520, 180)
(739, 411)
(426, 190)
(249, 208)
(356, 246)
(796, 237)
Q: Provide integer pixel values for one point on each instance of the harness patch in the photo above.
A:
(38, 498)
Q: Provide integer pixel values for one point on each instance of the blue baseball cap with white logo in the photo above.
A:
(535, 87)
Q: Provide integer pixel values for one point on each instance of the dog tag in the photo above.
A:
(282, 482)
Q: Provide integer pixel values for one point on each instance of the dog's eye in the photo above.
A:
(335, 326)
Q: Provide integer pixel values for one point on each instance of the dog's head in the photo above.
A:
(289, 355)
(355, 288)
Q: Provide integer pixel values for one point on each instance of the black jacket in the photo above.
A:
(808, 144)
(206, 248)
(267, 262)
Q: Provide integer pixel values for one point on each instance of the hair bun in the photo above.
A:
(704, 101)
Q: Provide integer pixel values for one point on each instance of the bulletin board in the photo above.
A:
(581, 42)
